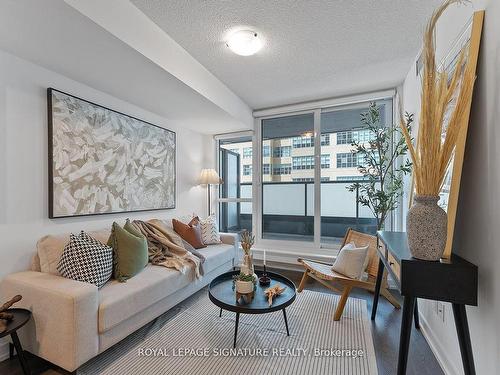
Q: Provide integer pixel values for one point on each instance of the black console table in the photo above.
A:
(453, 280)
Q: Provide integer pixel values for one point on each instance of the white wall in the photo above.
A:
(479, 209)
(23, 161)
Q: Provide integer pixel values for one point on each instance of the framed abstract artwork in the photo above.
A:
(102, 161)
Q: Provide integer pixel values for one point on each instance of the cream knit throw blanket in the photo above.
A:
(165, 247)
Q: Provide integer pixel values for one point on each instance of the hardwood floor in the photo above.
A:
(385, 331)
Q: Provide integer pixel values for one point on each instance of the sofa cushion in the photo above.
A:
(86, 259)
(216, 256)
(190, 232)
(120, 301)
(130, 251)
(50, 249)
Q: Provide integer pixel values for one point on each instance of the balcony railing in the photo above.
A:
(288, 211)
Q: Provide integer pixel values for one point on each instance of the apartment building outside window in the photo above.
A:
(266, 151)
(350, 178)
(282, 169)
(287, 208)
(247, 152)
(309, 179)
(247, 170)
(347, 137)
(325, 139)
(325, 161)
(266, 169)
(301, 142)
(282, 151)
(347, 160)
(303, 162)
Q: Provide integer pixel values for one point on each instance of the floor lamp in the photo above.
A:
(209, 177)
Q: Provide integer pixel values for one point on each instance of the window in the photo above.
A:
(347, 137)
(347, 160)
(307, 162)
(266, 169)
(235, 194)
(289, 208)
(266, 151)
(281, 169)
(350, 178)
(303, 179)
(247, 170)
(282, 151)
(325, 161)
(287, 205)
(301, 142)
(303, 162)
(325, 139)
(247, 152)
(309, 179)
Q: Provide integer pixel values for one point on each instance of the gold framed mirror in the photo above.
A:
(469, 39)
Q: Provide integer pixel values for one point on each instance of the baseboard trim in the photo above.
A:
(447, 365)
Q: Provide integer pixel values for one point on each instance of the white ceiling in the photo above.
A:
(314, 48)
(54, 35)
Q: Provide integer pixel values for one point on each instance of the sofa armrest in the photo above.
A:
(63, 329)
(232, 239)
(229, 238)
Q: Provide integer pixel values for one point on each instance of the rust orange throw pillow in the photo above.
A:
(190, 232)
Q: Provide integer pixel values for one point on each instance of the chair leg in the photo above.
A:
(389, 297)
(342, 302)
(303, 281)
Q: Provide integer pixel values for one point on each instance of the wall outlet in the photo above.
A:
(440, 307)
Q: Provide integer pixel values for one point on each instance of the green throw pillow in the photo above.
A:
(130, 251)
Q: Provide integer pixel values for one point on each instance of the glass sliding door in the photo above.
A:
(340, 126)
(287, 169)
(235, 193)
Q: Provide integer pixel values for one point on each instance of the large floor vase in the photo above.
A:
(426, 226)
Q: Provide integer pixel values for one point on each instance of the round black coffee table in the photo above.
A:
(21, 317)
(222, 294)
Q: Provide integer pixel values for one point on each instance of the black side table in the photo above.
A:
(452, 280)
(21, 317)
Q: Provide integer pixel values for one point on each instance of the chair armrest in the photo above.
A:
(315, 261)
(63, 329)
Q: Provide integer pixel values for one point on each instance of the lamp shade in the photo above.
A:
(209, 176)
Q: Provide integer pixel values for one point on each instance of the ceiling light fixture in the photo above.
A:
(244, 42)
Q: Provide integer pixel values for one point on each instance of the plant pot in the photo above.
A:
(426, 227)
(244, 287)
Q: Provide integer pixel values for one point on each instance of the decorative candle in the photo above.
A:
(264, 257)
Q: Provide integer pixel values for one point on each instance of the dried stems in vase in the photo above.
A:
(247, 241)
(441, 96)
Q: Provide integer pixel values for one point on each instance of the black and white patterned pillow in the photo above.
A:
(86, 259)
(210, 231)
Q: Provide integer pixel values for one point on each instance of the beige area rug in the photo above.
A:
(192, 339)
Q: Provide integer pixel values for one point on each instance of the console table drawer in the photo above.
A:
(396, 268)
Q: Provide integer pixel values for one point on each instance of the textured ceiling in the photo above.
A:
(74, 46)
(313, 48)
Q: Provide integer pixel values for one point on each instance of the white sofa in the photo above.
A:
(74, 321)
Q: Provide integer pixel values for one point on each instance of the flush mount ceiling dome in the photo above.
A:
(244, 42)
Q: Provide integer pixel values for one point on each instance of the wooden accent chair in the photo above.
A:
(322, 272)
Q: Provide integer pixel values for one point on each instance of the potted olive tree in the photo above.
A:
(382, 185)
